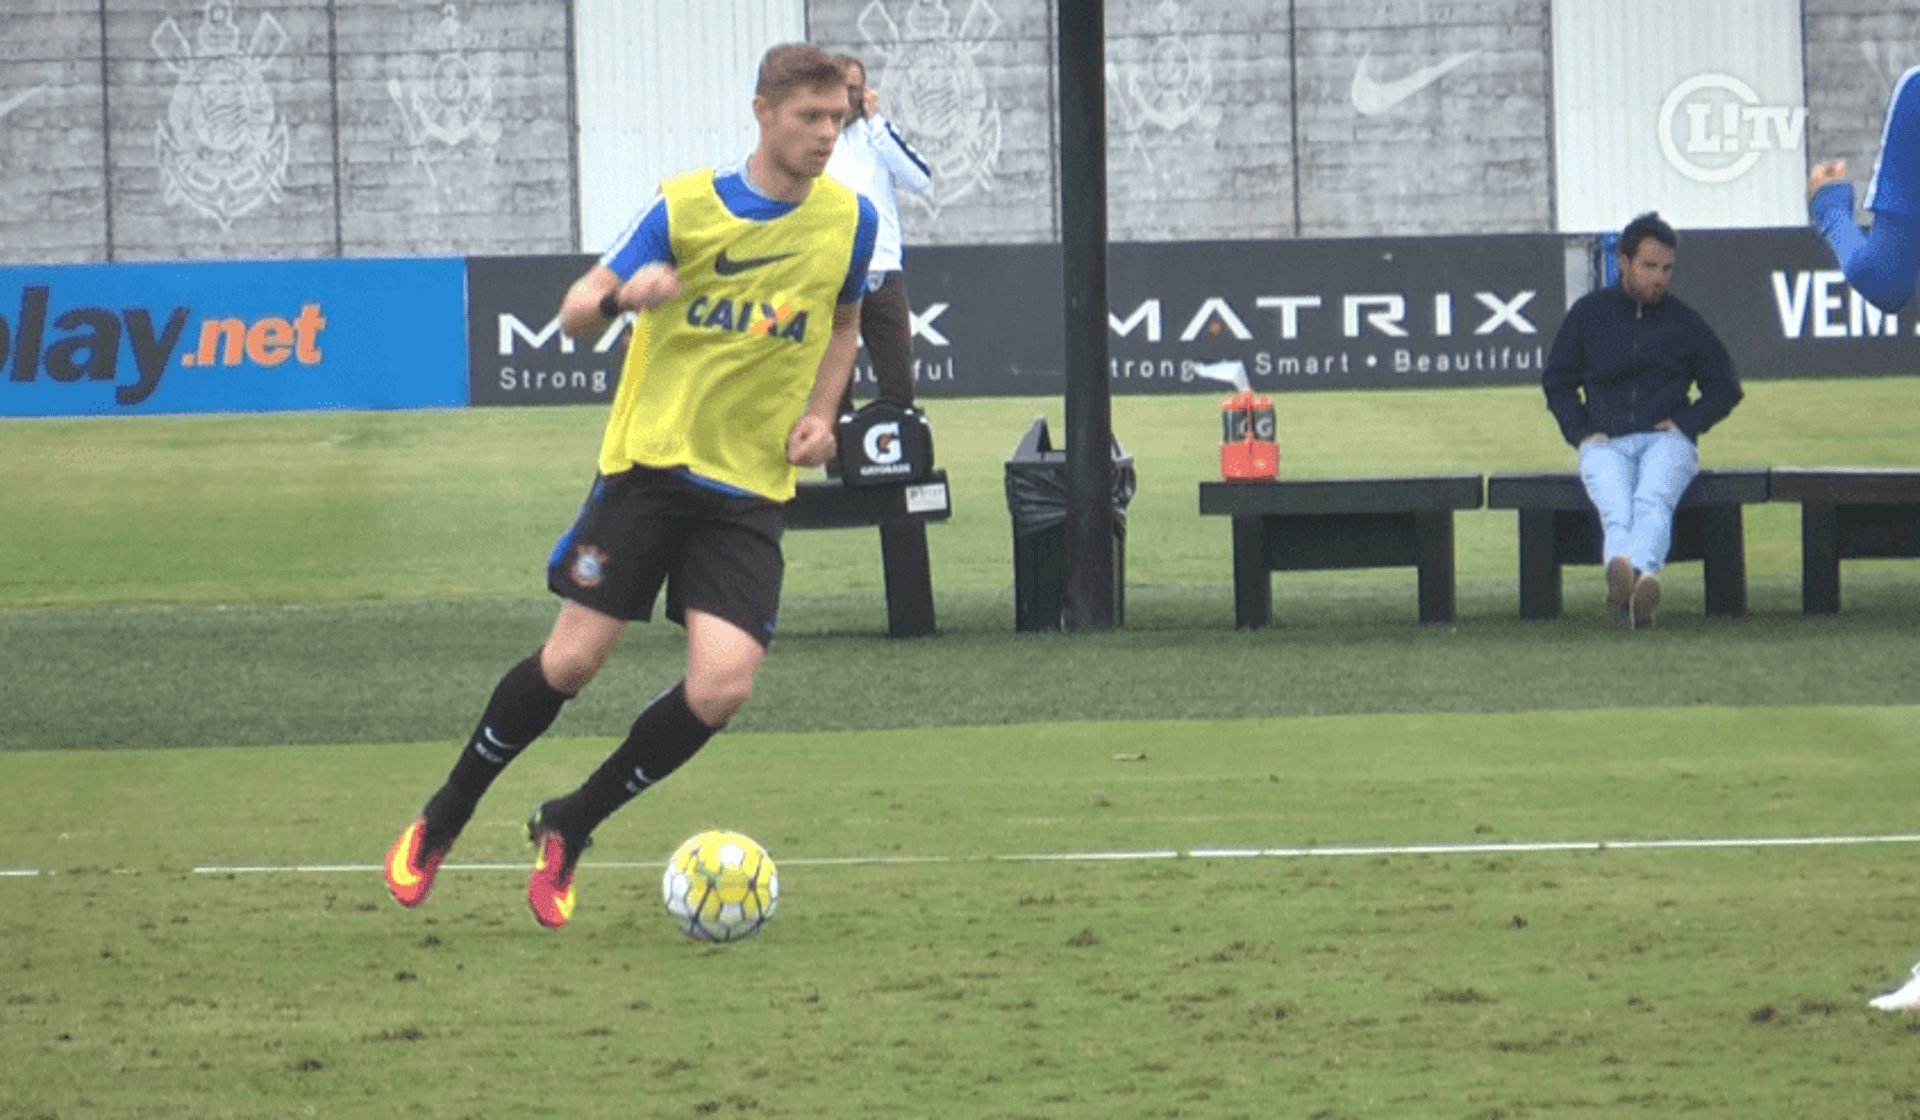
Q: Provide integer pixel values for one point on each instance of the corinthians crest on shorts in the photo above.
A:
(589, 567)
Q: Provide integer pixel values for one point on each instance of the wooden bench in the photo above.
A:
(1296, 525)
(902, 511)
(1848, 514)
(1559, 526)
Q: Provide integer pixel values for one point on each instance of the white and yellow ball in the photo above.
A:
(721, 886)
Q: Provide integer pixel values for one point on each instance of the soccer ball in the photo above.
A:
(720, 886)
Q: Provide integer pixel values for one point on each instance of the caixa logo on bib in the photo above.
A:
(1714, 128)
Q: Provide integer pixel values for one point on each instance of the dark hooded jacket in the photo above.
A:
(1619, 367)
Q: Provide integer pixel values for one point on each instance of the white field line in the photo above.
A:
(1318, 851)
(1515, 847)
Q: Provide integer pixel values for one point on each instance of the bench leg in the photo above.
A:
(1819, 558)
(1539, 567)
(1433, 551)
(909, 580)
(1252, 579)
(1724, 551)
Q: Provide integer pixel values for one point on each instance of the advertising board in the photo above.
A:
(232, 336)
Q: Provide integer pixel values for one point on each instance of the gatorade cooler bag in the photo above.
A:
(883, 442)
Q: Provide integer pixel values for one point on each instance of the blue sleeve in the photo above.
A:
(855, 287)
(1895, 186)
(1881, 264)
(645, 241)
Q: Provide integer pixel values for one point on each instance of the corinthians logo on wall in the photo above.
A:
(1169, 89)
(222, 146)
(451, 104)
(934, 91)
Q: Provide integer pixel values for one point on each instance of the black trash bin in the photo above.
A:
(1037, 499)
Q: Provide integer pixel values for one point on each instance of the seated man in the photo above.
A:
(1881, 264)
(1619, 380)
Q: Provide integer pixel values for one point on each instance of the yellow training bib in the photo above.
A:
(715, 378)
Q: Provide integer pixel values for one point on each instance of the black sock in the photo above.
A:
(523, 706)
(661, 740)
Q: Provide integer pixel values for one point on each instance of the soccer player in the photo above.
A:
(1620, 381)
(1881, 264)
(744, 283)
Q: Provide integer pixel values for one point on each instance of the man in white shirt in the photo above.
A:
(875, 160)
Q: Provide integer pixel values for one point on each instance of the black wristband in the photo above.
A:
(610, 305)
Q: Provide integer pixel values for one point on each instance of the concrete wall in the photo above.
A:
(52, 146)
(1855, 50)
(1423, 118)
(1225, 120)
(969, 82)
(154, 129)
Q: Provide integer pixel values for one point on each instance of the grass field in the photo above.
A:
(1345, 867)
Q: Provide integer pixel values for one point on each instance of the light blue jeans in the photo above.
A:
(1635, 481)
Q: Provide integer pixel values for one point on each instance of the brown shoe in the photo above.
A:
(1646, 600)
(1620, 575)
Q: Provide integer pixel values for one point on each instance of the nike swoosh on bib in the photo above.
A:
(1372, 98)
(727, 266)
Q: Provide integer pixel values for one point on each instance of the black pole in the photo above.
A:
(1083, 236)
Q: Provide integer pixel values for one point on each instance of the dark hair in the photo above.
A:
(792, 66)
(1646, 225)
(852, 63)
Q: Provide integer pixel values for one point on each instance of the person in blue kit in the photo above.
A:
(1882, 263)
(1620, 380)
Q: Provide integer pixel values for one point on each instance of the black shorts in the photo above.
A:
(716, 551)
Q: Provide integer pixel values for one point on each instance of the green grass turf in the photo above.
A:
(356, 583)
(466, 505)
(334, 578)
(419, 672)
(954, 982)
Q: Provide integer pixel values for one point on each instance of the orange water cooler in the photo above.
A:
(1249, 447)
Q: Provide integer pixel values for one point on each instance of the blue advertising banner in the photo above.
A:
(232, 336)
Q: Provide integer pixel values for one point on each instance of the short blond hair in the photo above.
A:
(792, 66)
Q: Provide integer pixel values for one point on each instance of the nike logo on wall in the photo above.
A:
(1372, 98)
(18, 99)
(727, 266)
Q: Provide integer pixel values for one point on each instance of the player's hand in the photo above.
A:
(650, 287)
(1825, 173)
(811, 443)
